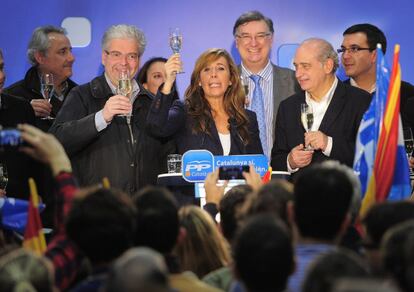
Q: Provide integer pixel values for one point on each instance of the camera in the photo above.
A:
(10, 139)
(232, 172)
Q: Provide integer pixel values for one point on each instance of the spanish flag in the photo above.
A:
(34, 239)
(380, 158)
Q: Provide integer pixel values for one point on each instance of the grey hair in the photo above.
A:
(40, 41)
(124, 31)
(326, 51)
(138, 269)
(353, 179)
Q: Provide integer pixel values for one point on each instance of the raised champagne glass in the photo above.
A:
(46, 88)
(306, 117)
(176, 41)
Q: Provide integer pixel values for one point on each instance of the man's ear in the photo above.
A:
(39, 57)
(328, 65)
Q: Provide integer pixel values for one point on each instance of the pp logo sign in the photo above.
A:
(197, 164)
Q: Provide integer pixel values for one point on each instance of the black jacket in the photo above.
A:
(29, 88)
(168, 116)
(341, 122)
(109, 153)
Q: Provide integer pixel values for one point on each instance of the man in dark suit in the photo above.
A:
(253, 34)
(359, 58)
(49, 51)
(13, 111)
(337, 112)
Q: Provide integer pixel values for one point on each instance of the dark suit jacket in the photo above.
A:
(341, 122)
(15, 110)
(406, 108)
(169, 117)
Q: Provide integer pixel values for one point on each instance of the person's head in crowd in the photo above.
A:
(316, 62)
(263, 254)
(363, 285)
(409, 261)
(393, 253)
(102, 223)
(377, 221)
(50, 51)
(152, 74)
(203, 249)
(157, 219)
(215, 80)
(272, 198)
(229, 209)
(139, 269)
(253, 33)
(322, 200)
(122, 48)
(331, 266)
(21, 270)
(2, 73)
(359, 53)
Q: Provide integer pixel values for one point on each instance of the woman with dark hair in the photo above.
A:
(213, 116)
(152, 74)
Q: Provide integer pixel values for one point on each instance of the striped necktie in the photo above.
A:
(258, 107)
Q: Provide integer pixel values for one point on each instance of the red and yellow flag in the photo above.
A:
(34, 239)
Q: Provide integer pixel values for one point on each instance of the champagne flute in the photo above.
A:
(306, 116)
(176, 40)
(47, 87)
(4, 178)
(409, 143)
(124, 87)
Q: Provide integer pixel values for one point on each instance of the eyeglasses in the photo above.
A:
(260, 37)
(353, 50)
(116, 56)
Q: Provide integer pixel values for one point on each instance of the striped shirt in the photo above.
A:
(266, 82)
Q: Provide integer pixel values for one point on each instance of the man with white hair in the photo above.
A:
(337, 112)
(103, 131)
(49, 51)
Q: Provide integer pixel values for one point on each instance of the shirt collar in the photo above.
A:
(266, 73)
(353, 83)
(327, 97)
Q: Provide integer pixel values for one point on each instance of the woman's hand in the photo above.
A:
(172, 66)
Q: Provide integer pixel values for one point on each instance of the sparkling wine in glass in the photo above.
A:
(4, 178)
(46, 88)
(176, 41)
(306, 117)
(124, 87)
(245, 83)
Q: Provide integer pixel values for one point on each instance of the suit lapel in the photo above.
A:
(334, 108)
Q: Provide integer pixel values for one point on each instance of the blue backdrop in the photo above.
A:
(204, 24)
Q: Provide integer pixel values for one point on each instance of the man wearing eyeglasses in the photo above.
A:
(254, 34)
(95, 124)
(359, 59)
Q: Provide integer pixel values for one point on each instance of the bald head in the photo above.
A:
(323, 51)
(315, 62)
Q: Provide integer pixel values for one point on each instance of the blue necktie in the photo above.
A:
(258, 107)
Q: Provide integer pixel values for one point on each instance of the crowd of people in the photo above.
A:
(303, 235)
